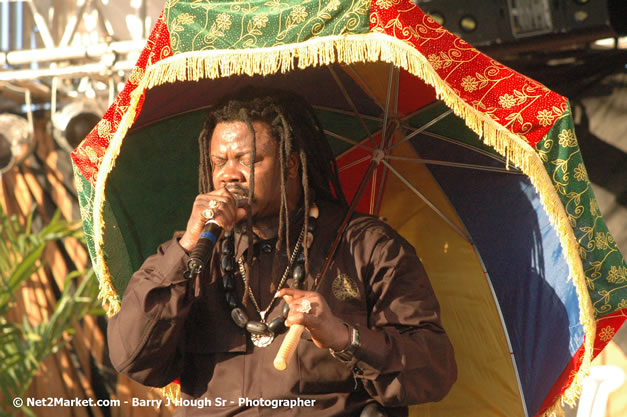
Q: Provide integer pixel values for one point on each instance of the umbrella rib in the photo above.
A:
(352, 164)
(347, 140)
(409, 116)
(427, 201)
(346, 112)
(464, 145)
(365, 86)
(444, 138)
(397, 87)
(456, 164)
(373, 189)
(388, 96)
(352, 104)
(421, 129)
(379, 195)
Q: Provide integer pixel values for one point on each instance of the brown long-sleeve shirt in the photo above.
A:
(170, 327)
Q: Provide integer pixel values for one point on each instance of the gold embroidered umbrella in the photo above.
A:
(475, 164)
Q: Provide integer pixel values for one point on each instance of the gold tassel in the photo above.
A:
(172, 391)
(555, 410)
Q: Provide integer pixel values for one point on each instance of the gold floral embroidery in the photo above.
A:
(260, 21)
(426, 32)
(543, 149)
(435, 61)
(91, 154)
(299, 14)
(385, 4)
(507, 101)
(601, 240)
(104, 129)
(136, 75)
(470, 83)
(244, 24)
(580, 172)
(185, 19)
(545, 117)
(333, 5)
(594, 208)
(607, 333)
(567, 138)
(275, 4)
(223, 21)
(622, 304)
(604, 267)
(617, 275)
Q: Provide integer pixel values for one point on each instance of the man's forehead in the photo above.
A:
(236, 135)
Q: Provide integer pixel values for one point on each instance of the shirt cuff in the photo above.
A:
(172, 264)
(369, 358)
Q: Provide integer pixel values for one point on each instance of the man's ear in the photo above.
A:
(293, 163)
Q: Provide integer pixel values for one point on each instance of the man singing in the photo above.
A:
(373, 339)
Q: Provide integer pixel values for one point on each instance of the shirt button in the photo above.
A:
(266, 248)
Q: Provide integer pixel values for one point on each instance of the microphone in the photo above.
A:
(202, 251)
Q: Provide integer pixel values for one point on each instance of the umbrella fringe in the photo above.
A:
(172, 391)
(555, 410)
(109, 297)
(349, 49)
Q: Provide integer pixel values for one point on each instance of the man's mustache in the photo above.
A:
(239, 192)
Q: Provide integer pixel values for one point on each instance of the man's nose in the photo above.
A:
(232, 173)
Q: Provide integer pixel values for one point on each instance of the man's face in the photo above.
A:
(230, 157)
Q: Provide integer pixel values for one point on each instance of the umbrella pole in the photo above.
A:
(374, 162)
(351, 104)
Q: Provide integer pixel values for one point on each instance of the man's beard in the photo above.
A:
(242, 225)
(240, 193)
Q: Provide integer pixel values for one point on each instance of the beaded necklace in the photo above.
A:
(261, 332)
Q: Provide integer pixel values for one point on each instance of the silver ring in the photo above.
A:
(305, 306)
(213, 204)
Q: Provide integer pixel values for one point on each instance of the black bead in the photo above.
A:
(266, 248)
(256, 327)
(298, 273)
(300, 258)
(228, 247)
(277, 325)
(228, 283)
(239, 316)
(286, 310)
(228, 263)
(231, 300)
(313, 224)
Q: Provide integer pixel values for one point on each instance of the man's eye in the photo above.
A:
(218, 163)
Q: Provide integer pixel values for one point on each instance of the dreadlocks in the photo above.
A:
(296, 128)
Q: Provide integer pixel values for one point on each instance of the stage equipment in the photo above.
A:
(16, 140)
(490, 22)
(73, 122)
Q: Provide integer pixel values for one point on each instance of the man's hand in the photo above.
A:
(226, 214)
(327, 331)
